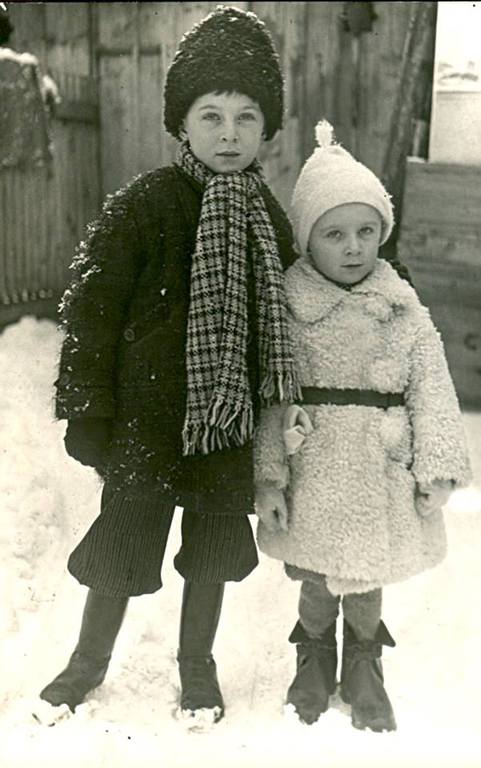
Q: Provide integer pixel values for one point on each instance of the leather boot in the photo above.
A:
(101, 621)
(201, 605)
(315, 678)
(362, 680)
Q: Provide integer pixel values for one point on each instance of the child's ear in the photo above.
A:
(182, 134)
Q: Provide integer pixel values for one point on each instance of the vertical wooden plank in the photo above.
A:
(59, 208)
(5, 229)
(42, 226)
(18, 236)
(171, 36)
(155, 28)
(116, 38)
(378, 78)
(4, 220)
(27, 181)
(150, 111)
(20, 233)
(53, 231)
(135, 89)
(323, 54)
(281, 156)
(8, 231)
(116, 133)
(9, 222)
(66, 35)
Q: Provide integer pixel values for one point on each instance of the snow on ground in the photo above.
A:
(48, 501)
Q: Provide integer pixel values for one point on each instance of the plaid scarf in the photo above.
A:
(219, 411)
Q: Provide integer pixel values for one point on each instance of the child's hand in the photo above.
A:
(297, 425)
(87, 440)
(432, 496)
(271, 508)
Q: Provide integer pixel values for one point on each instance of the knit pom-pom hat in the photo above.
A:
(332, 177)
(230, 50)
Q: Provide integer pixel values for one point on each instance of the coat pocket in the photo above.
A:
(395, 432)
(140, 329)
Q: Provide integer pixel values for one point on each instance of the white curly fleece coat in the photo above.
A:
(351, 485)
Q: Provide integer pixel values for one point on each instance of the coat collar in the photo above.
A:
(312, 297)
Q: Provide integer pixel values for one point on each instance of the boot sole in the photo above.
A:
(377, 724)
(290, 711)
(315, 714)
(199, 720)
(61, 695)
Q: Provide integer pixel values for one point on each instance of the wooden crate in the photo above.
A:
(440, 242)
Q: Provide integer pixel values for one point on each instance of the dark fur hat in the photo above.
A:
(230, 50)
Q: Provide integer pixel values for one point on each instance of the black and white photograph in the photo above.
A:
(240, 384)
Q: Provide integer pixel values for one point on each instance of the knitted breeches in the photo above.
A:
(121, 555)
(318, 608)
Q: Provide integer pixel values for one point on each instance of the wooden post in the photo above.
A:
(135, 88)
(418, 46)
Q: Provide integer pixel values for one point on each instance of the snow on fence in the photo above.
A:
(44, 208)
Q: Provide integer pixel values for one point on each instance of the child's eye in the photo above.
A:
(213, 116)
(246, 116)
(334, 234)
(367, 230)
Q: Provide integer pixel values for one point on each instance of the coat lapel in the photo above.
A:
(312, 297)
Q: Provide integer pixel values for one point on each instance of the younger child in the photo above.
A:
(351, 481)
(176, 331)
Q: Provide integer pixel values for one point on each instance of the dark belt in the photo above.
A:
(368, 397)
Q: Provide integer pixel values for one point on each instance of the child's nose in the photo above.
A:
(229, 131)
(353, 244)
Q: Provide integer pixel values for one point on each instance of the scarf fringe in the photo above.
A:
(225, 428)
(280, 386)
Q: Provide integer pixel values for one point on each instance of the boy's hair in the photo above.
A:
(229, 51)
(332, 177)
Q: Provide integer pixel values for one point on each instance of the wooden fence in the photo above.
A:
(44, 209)
(441, 243)
(329, 72)
(101, 140)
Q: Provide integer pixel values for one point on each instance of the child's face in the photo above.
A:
(224, 131)
(344, 242)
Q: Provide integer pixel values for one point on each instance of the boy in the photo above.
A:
(176, 331)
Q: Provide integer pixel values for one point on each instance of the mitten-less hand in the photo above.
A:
(88, 440)
(432, 496)
(297, 425)
(271, 508)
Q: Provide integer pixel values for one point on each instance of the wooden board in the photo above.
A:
(440, 242)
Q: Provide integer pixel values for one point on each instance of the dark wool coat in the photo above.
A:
(123, 357)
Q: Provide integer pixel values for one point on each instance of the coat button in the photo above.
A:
(64, 378)
(129, 334)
